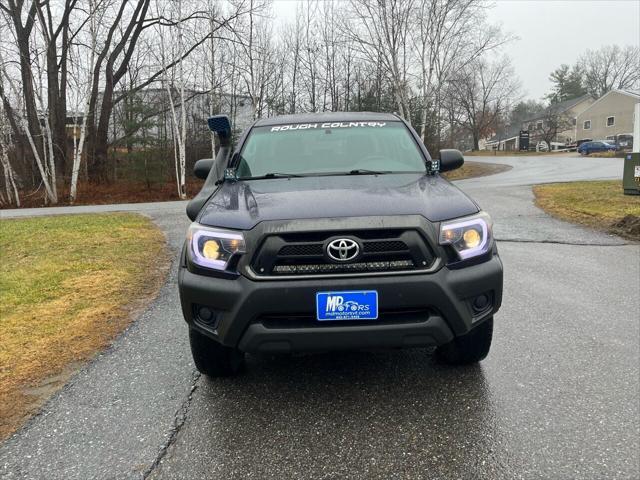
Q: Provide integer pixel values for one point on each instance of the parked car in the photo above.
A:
(597, 146)
(624, 141)
(334, 231)
(542, 147)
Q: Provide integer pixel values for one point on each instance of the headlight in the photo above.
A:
(213, 248)
(469, 236)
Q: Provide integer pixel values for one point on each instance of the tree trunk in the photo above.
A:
(56, 104)
(99, 167)
(27, 90)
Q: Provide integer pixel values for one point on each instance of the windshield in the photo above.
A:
(326, 148)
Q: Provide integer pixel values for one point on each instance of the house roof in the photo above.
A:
(630, 93)
(560, 107)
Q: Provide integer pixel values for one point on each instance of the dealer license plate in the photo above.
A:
(354, 305)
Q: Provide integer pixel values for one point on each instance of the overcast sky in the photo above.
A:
(551, 32)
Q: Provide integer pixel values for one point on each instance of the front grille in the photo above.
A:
(305, 253)
(316, 249)
(388, 246)
(301, 250)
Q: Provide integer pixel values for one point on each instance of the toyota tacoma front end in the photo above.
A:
(334, 231)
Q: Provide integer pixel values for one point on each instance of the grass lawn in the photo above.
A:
(600, 205)
(607, 155)
(68, 285)
(475, 169)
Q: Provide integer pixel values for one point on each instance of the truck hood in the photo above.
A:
(242, 205)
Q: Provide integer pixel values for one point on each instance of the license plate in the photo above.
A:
(358, 305)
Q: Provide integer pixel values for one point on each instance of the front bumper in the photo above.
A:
(278, 316)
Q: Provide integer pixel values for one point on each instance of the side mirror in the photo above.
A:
(202, 168)
(220, 125)
(450, 159)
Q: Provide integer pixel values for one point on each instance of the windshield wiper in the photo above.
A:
(273, 175)
(281, 175)
(359, 171)
(364, 171)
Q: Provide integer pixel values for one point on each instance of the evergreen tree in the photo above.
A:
(567, 83)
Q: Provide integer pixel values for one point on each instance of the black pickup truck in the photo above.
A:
(334, 231)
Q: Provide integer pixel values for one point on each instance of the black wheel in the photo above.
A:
(213, 359)
(469, 348)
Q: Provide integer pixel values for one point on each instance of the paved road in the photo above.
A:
(556, 398)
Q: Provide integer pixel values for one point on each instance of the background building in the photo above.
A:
(609, 116)
(551, 128)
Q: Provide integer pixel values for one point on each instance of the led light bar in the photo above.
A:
(347, 267)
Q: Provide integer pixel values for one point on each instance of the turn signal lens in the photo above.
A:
(451, 235)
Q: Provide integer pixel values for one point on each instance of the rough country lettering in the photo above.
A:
(307, 126)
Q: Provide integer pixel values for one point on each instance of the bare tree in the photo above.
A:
(292, 41)
(6, 144)
(550, 125)
(45, 28)
(111, 64)
(213, 67)
(310, 68)
(48, 153)
(81, 75)
(611, 67)
(23, 23)
(113, 56)
(449, 35)
(483, 93)
(381, 32)
(258, 65)
(176, 84)
(40, 156)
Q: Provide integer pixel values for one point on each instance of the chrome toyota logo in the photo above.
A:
(343, 249)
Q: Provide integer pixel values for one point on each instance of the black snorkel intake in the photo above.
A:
(212, 171)
(221, 126)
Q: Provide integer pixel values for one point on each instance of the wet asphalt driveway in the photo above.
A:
(558, 396)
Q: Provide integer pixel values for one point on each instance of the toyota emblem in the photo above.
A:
(343, 249)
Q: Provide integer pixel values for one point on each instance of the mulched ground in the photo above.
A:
(120, 192)
(628, 226)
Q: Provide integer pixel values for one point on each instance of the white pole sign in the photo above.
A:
(636, 131)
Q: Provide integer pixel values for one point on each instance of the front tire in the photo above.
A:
(213, 359)
(469, 348)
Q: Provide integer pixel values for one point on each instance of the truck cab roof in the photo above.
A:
(328, 117)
